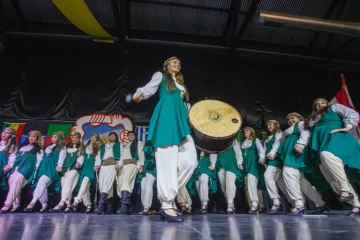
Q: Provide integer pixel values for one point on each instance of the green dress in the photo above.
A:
(26, 163)
(228, 162)
(149, 164)
(276, 162)
(87, 169)
(251, 164)
(47, 167)
(203, 168)
(287, 153)
(169, 122)
(3, 175)
(343, 145)
(70, 162)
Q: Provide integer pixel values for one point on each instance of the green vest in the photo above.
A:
(276, 162)
(169, 123)
(115, 149)
(135, 153)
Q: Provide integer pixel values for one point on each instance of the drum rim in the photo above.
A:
(215, 138)
(214, 152)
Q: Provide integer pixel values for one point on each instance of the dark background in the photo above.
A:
(54, 79)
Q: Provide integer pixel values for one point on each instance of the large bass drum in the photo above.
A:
(215, 125)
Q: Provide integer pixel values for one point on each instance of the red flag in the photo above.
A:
(343, 96)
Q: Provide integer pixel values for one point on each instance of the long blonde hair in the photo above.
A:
(170, 84)
(252, 133)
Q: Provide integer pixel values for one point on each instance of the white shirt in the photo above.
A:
(127, 153)
(39, 155)
(12, 155)
(304, 134)
(276, 144)
(259, 147)
(62, 154)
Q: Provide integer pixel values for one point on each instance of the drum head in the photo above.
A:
(215, 119)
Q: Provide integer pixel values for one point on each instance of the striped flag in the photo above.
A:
(63, 127)
(18, 127)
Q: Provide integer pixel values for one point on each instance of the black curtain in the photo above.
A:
(62, 80)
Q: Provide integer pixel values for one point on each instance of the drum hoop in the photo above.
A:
(214, 138)
(214, 152)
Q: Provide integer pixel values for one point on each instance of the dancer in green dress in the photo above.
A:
(169, 134)
(273, 177)
(148, 180)
(70, 172)
(27, 161)
(293, 152)
(8, 151)
(229, 166)
(205, 179)
(87, 173)
(253, 153)
(49, 171)
(335, 150)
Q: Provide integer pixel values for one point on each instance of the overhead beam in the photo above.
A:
(182, 5)
(245, 23)
(232, 22)
(19, 15)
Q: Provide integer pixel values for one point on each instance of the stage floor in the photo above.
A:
(212, 226)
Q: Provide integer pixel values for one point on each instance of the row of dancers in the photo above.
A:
(321, 146)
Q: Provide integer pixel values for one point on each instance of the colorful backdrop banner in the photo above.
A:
(63, 127)
(103, 124)
(18, 127)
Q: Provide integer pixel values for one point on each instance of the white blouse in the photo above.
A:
(276, 144)
(150, 89)
(62, 154)
(12, 155)
(304, 134)
(259, 147)
(350, 116)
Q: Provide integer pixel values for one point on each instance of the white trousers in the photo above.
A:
(107, 176)
(40, 192)
(147, 190)
(84, 193)
(68, 185)
(126, 178)
(174, 167)
(16, 183)
(273, 180)
(183, 197)
(333, 170)
(297, 185)
(202, 187)
(227, 182)
(251, 187)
